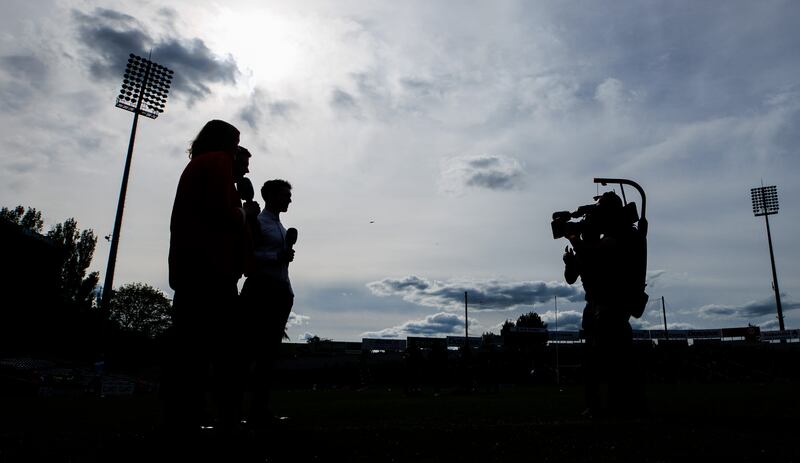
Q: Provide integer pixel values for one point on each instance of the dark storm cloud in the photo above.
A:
(439, 324)
(388, 287)
(492, 172)
(195, 66)
(568, 320)
(752, 309)
(111, 36)
(492, 180)
(261, 109)
(483, 295)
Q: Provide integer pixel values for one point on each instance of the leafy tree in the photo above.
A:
(524, 341)
(490, 339)
(29, 219)
(530, 320)
(140, 308)
(77, 248)
(508, 325)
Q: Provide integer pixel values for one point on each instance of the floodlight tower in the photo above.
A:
(765, 202)
(145, 86)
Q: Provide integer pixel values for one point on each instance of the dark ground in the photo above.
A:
(689, 421)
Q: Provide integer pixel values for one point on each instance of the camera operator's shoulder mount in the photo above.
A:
(636, 299)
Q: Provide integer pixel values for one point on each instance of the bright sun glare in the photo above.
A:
(264, 44)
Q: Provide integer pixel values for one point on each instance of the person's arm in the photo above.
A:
(281, 256)
(271, 249)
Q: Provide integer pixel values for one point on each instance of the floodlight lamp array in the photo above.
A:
(145, 86)
(765, 200)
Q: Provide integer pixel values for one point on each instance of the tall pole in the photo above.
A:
(466, 322)
(765, 202)
(558, 370)
(774, 276)
(664, 312)
(108, 283)
(144, 92)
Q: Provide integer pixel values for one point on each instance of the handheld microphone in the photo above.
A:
(245, 188)
(291, 237)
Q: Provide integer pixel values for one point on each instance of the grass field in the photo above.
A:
(737, 422)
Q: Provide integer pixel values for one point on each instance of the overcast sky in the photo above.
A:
(428, 144)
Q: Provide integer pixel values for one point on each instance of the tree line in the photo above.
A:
(135, 308)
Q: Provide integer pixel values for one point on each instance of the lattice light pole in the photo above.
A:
(145, 86)
(765, 202)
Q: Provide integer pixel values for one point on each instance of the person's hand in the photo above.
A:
(251, 209)
(574, 240)
(286, 256)
(569, 255)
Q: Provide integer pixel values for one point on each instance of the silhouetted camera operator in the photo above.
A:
(604, 251)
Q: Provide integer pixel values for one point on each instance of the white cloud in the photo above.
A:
(769, 325)
(296, 319)
(306, 336)
(548, 95)
(641, 324)
(613, 96)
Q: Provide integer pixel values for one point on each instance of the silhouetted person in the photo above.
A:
(244, 186)
(602, 257)
(267, 299)
(208, 248)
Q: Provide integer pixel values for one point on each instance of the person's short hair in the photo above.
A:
(271, 186)
(216, 135)
(609, 200)
(244, 152)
